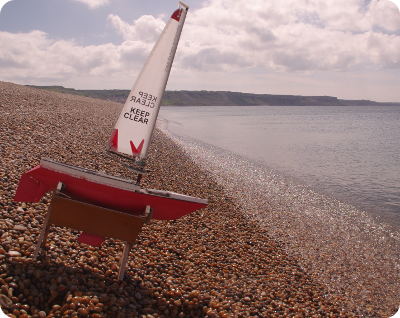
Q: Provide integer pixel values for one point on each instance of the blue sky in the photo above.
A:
(344, 48)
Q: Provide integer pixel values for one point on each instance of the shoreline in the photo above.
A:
(215, 262)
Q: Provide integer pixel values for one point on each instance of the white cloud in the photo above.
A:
(147, 28)
(293, 35)
(33, 56)
(396, 3)
(2, 3)
(94, 3)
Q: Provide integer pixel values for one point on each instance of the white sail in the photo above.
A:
(134, 128)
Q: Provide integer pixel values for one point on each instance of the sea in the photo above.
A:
(323, 181)
(348, 153)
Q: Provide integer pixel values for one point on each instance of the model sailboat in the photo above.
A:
(104, 206)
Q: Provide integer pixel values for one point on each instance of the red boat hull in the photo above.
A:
(89, 186)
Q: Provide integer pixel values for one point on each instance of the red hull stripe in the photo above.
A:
(177, 14)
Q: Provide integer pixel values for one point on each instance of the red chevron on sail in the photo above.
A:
(177, 15)
(113, 143)
(138, 150)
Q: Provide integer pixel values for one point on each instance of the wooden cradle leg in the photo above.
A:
(43, 235)
(124, 259)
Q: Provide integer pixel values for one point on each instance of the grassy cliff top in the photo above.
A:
(221, 98)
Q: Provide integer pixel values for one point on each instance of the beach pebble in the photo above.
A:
(5, 302)
(19, 227)
(14, 253)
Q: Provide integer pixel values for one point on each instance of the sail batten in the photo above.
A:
(134, 128)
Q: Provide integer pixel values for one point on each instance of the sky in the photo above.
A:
(344, 48)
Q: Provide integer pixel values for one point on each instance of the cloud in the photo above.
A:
(147, 28)
(2, 3)
(94, 3)
(213, 59)
(34, 56)
(301, 35)
(397, 3)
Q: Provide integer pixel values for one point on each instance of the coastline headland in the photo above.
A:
(222, 98)
(217, 262)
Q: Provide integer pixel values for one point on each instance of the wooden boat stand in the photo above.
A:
(93, 219)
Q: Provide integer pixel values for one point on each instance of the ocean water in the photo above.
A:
(322, 181)
(351, 154)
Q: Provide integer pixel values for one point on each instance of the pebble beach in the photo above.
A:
(215, 262)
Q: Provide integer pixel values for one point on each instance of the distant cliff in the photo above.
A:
(221, 98)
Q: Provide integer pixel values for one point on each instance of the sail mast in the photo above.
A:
(134, 128)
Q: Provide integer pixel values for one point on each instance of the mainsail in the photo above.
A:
(134, 128)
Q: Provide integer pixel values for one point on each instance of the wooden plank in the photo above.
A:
(94, 219)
